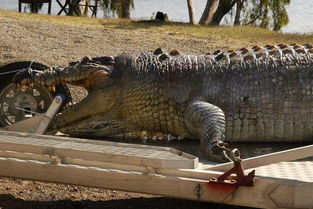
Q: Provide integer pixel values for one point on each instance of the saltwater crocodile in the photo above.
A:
(265, 94)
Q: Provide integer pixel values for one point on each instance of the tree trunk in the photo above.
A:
(84, 7)
(223, 8)
(191, 10)
(238, 12)
(210, 9)
(126, 5)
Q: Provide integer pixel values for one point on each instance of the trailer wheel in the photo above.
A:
(17, 105)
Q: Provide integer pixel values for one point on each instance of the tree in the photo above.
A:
(191, 10)
(224, 7)
(119, 7)
(209, 11)
(239, 7)
(267, 14)
(264, 13)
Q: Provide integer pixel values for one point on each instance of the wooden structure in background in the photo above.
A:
(34, 3)
(71, 7)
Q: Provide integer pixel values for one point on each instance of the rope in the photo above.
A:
(15, 71)
(31, 63)
(25, 110)
(29, 111)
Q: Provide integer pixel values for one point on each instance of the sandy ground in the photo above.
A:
(57, 45)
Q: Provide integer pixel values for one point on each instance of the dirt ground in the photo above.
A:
(57, 44)
(22, 194)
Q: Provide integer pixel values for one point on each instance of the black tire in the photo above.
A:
(7, 72)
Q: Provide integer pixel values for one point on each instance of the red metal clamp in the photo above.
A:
(241, 179)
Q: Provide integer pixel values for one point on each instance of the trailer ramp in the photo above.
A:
(145, 169)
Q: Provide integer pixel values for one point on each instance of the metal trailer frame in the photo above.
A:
(155, 170)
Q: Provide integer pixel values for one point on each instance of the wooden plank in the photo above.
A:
(187, 173)
(265, 194)
(79, 140)
(286, 155)
(95, 151)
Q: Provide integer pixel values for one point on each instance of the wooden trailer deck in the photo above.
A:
(154, 170)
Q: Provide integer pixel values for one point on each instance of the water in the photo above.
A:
(300, 11)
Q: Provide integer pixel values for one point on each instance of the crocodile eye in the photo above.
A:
(86, 59)
(105, 60)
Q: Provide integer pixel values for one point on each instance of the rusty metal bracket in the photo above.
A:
(241, 179)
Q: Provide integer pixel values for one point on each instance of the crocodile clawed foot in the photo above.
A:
(215, 153)
(219, 157)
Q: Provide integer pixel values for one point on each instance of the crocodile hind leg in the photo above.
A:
(207, 122)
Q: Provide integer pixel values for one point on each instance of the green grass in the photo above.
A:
(233, 37)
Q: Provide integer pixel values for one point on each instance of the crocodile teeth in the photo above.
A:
(69, 104)
(53, 88)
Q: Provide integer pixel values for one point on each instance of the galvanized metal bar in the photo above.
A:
(52, 110)
(276, 157)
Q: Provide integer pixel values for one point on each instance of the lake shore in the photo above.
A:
(300, 12)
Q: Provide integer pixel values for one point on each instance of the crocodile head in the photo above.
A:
(90, 73)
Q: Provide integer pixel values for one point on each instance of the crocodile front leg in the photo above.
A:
(207, 122)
